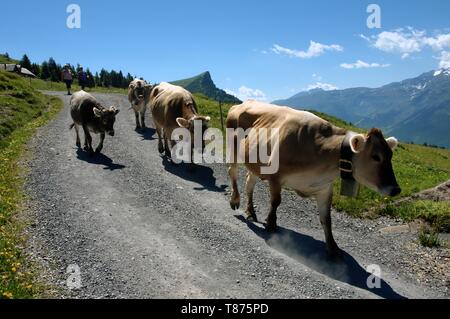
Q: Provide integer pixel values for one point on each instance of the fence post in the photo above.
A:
(221, 116)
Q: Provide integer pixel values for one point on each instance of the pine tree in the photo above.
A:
(97, 79)
(45, 71)
(55, 70)
(105, 78)
(25, 62)
(129, 79)
(91, 80)
(36, 69)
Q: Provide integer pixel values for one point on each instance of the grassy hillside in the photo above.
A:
(4, 59)
(22, 110)
(19, 104)
(211, 108)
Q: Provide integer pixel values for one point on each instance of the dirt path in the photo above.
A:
(140, 227)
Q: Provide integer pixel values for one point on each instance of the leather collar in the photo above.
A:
(346, 160)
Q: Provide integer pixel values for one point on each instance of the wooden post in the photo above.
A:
(221, 116)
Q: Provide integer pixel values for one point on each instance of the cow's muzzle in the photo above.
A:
(392, 191)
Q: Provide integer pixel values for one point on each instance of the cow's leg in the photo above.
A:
(87, 140)
(166, 146)
(160, 139)
(324, 205)
(136, 114)
(249, 187)
(275, 201)
(235, 200)
(77, 131)
(100, 145)
(143, 119)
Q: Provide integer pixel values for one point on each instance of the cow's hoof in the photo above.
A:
(161, 149)
(78, 144)
(98, 151)
(252, 218)
(271, 224)
(271, 228)
(235, 206)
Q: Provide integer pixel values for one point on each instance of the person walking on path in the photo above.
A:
(82, 78)
(66, 76)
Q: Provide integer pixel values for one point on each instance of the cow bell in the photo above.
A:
(349, 188)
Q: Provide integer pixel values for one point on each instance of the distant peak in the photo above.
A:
(204, 75)
(442, 72)
(314, 90)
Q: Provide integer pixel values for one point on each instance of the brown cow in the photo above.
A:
(138, 96)
(310, 159)
(173, 107)
(92, 117)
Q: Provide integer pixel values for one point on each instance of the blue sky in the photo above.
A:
(255, 48)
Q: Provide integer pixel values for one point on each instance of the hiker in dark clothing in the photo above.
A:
(82, 78)
(66, 76)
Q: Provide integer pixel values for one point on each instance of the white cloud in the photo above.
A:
(317, 77)
(400, 41)
(245, 93)
(364, 37)
(407, 41)
(439, 42)
(445, 60)
(323, 86)
(315, 49)
(363, 65)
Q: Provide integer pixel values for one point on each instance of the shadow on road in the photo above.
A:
(313, 254)
(148, 134)
(199, 174)
(98, 159)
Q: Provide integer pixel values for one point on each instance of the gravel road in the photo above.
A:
(139, 227)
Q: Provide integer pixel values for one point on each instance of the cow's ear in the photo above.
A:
(97, 112)
(182, 122)
(392, 142)
(357, 143)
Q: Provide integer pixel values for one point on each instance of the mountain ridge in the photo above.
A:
(204, 84)
(415, 110)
